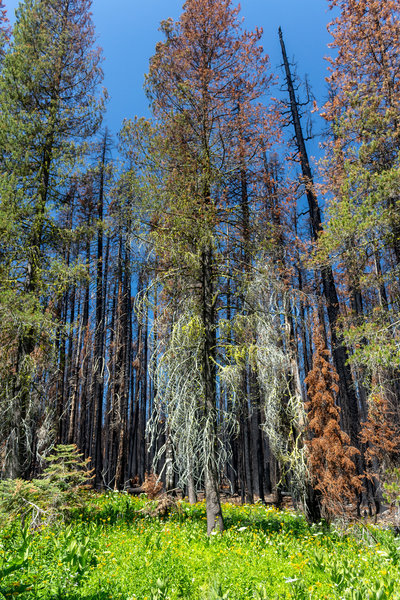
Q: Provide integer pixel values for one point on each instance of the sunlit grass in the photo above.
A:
(112, 549)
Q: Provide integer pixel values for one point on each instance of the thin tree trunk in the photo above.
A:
(213, 503)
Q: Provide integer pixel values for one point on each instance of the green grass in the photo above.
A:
(111, 549)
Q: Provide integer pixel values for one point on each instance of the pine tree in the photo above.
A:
(362, 176)
(48, 106)
(380, 434)
(205, 83)
(331, 457)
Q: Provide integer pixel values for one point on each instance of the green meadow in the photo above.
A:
(110, 547)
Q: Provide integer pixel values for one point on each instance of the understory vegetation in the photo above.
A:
(111, 547)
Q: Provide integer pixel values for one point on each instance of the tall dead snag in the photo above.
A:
(100, 326)
(331, 456)
(347, 395)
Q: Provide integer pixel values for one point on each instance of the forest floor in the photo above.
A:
(113, 548)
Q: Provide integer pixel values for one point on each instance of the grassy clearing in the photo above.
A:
(111, 549)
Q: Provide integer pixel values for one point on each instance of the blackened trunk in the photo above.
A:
(98, 358)
(347, 394)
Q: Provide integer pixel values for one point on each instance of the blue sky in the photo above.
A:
(128, 31)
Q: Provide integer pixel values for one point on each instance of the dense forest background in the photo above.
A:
(197, 298)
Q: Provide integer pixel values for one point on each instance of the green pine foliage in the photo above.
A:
(49, 109)
(66, 468)
(362, 180)
(51, 496)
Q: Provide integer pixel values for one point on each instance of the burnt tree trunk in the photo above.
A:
(347, 394)
(98, 358)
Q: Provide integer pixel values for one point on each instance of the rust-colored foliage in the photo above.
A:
(363, 108)
(4, 22)
(365, 68)
(206, 83)
(4, 28)
(330, 453)
(152, 486)
(380, 433)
